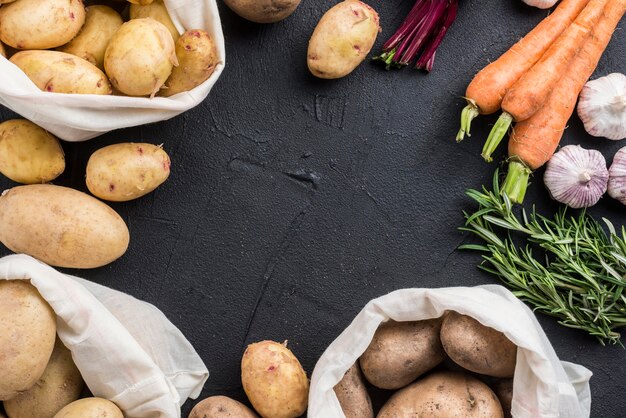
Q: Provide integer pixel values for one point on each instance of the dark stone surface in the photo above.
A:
(293, 201)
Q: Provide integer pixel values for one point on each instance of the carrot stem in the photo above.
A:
(496, 135)
(516, 181)
(467, 116)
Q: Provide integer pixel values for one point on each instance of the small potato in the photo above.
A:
(91, 42)
(402, 351)
(443, 394)
(25, 24)
(90, 408)
(221, 407)
(58, 72)
(352, 394)
(342, 39)
(28, 153)
(140, 57)
(157, 11)
(476, 347)
(61, 226)
(60, 385)
(503, 388)
(197, 57)
(27, 336)
(274, 380)
(263, 11)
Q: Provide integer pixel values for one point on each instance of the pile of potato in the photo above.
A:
(65, 47)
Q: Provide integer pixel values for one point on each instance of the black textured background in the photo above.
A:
(293, 201)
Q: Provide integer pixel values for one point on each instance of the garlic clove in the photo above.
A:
(617, 176)
(542, 4)
(602, 106)
(576, 176)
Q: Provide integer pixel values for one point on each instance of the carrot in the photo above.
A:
(484, 94)
(534, 140)
(531, 91)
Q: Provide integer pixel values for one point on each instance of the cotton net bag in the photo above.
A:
(543, 386)
(126, 350)
(78, 117)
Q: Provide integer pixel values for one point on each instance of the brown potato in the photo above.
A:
(402, 351)
(157, 11)
(27, 336)
(142, 2)
(263, 11)
(274, 380)
(61, 226)
(221, 407)
(503, 388)
(90, 408)
(197, 57)
(2, 50)
(60, 385)
(476, 347)
(352, 394)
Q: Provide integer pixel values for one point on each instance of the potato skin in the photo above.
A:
(503, 388)
(197, 57)
(25, 24)
(28, 153)
(476, 347)
(90, 408)
(2, 50)
(27, 336)
(91, 42)
(402, 351)
(60, 385)
(123, 172)
(342, 39)
(263, 11)
(61, 227)
(157, 11)
(352, 394)
(274, 380)
(58, 72)
(221, 407)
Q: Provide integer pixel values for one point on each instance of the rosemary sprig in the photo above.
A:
(568, 267)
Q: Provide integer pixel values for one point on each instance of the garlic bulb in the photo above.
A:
(542, 4)
(602, 106)
(617, 176)
(576, 176)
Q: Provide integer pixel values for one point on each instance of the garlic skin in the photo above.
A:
(576, 176)
(542, 4)
(617, 177)
(602, 106)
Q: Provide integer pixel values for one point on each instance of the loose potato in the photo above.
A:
(263, 11)
(58, 72)
(90, 408)
(342, 39)
(140, 57)
(503, 388)
(3, 52)
(402, 351)
(25, 24)
(444, 395)
(122, 172)
(27, 336)
(61, 226)
(221, 407)
(352, 394)
(197, 57)
(60, 385)
(157, 11)
(274, 380)
(91, 42)
(476, 347)
(28, 153)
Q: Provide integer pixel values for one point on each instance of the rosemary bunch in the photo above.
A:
(568, 267)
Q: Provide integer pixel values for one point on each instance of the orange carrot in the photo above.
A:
(485, 92)
(534, 141)
(531, 91)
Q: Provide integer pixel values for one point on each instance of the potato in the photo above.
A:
(157, 11)
(25, 24)
(221, 407)
(122, 172)
(100, 25)
(263, 11)
(503, 388)
(140, 57)
(2, 50)
(443, 395)
(476, 347)
(59, 72)
(61, 226)
(274, 380)
(352, 394)
(197, 57)
(90, 408)
(27, 336)
(402, 351)
(142, 2)
(342, 39)
(60, 385)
